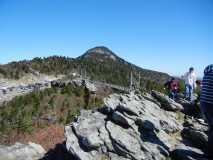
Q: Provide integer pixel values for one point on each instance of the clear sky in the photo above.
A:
(164, 35)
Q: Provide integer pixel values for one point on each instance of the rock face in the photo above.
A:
(128, 127)
(183, 152)
(20, 151)
(88, 84)
(166, 102)
(195, 131)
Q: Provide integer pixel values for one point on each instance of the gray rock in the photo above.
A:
(196, 124)
(126, 142)
(167, 103)
(195, 132)
(112, 101)
(30, 151)
(116, 157)
(183, 152)
(73, 146)
(91, 86)
(119, 118)
(144, 109)
(190, 108)
(196, 137)
(147, 125)
(128, 127)
(89, 122)
(87, 139)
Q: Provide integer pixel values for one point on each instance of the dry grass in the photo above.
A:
(47, 137)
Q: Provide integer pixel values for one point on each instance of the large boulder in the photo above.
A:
(166, 102)
(184, 152)
(196, 137)
(30, 151)
(90, 86)
(87, 83)
(195, 131)
(190, 108)
(128, 127)
(138, 108)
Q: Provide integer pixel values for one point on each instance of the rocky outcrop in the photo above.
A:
(194, 140)
(137, 127)
(195, 131)
(30, 151)
(184, 152)
(166, 102)
(191, 108)
(86, 83)
(90, 86)
(128, 127)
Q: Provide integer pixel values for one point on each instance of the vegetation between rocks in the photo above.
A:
(41, 108)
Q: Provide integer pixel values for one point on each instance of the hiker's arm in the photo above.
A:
(195, 85)
(184, 76)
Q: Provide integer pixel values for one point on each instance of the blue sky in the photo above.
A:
(164, 35)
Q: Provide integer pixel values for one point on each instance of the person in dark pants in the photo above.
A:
(199, 85)
(206, 100)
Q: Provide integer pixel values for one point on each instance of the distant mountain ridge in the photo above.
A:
(99, 63)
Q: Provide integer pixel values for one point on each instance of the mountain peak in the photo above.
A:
(100, 52)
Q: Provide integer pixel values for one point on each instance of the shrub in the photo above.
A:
(71, 115)
(68, 89)
(78, 91)
(181, 86)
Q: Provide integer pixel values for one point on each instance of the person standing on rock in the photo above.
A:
(190, 83)
(206, 100)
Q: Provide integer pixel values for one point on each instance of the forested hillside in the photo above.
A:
(99, 63)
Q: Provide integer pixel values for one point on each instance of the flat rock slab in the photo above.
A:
(30, 151)
(166, 102)
(183, 152)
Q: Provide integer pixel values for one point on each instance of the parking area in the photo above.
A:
(9, 91)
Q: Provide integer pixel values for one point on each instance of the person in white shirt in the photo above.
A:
(190, 83)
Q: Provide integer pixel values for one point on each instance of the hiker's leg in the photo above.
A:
(210, 142)
(202, 108)
(190, 92)
(170, 94)
(207, 110)
(186, 91)
(175, 94)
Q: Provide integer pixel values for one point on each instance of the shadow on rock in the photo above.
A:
(190, 108)
(148, 134)
(194, 140)
(186, 154)
(195, 133)
(58, 153)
